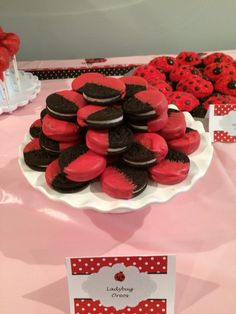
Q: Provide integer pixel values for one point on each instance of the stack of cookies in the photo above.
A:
(116, 130)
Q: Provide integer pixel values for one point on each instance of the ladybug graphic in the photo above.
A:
(119, 276)
(95, 60)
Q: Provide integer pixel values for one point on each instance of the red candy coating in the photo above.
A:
(186, 144)
(59, 130)
(182, 100)
(169, 171)
(86, 167)
(175, 126)
(116, 184)
(154, 142)
(160, 85)
(32, 145)
(82, 79)
(97, 141)
(155, 99)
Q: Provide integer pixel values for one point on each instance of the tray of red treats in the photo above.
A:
(17, 88)
(113, 145)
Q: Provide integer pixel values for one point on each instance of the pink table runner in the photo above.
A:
(36, 234)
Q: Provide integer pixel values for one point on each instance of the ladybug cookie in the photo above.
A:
(196, 85)
(184, 101)
(216, 70)
(188, 57)
(165, 63)
(217, 57)
(226, 85)
(160, 85)
(183, 71)
(148, 72)
(219, 99)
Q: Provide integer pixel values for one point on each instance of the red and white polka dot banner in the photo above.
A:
(150, 264)
(89, 306)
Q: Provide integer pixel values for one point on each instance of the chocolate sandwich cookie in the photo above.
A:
(188, 143)
(80, 164)
(35, 157)
(110, 141)
(104, 90)
(54, 147)
(79, 82)
(43, 113)
(175, 126)
(59, 130)
(145, 105)
(152, 125)
(134, 84)
(100, 117)
(64, 104)
(153, 142)
(139, 156)
(35, 128)
(59, 182)
(171, 170)
(123, 182)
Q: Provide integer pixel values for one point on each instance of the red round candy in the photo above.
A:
(12, 43)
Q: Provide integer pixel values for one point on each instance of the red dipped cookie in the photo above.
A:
(53, 147)
(160, 85)
(152, 125)
(11, 42)
(186, 144)
(175, 126)
(195, 85)
(4, 59)
(35, 128)
(154, 142)
(216, 70)
(60, 130)
(226, 85)
(188, 57)
(171, 170)
(123, 182)
(219, 99)
(81, 164)
(104, 90)
(35, 157)
(165, 63)
(64, 104)
(183, 71)
(148, 71)
(100, 117)
(133, 85)
(110, 141)
(183, 101)
(145, 105)
(217, 57)
(79, 82)
(59, 182)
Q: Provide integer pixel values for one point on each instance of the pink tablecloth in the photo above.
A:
(37, 233)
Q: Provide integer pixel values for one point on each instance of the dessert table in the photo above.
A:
(36, 233)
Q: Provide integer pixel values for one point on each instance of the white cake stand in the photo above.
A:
(29, 88)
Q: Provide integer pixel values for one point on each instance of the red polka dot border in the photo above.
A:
(150, 264)
(89, 306)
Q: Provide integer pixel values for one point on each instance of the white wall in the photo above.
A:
(62, 29)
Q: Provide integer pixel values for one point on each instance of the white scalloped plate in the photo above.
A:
(92, 197)
(30, 87)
